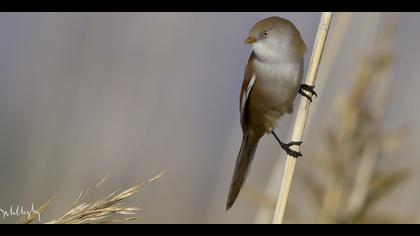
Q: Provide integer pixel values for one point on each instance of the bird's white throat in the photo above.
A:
(273, 52)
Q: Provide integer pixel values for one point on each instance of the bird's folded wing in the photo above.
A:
(247, 85)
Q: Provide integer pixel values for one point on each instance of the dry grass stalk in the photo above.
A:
(99, 210)
(34, 215)
(302, 117)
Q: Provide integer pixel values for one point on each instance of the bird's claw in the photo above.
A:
(286, 146)
(288, 150)
(307, 88)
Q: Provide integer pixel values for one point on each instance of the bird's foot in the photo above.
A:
(286, 146)
(307, 88)
(288, 150)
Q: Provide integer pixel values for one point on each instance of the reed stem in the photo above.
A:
(302, 116)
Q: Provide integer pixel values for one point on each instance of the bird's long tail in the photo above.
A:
(243, 162)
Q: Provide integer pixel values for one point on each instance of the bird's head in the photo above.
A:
(274, 39)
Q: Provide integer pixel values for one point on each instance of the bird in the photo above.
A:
(273, 78)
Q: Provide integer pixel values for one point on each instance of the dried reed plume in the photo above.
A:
(357, 143)
(96, 211)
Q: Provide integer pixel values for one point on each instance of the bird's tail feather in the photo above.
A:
(243, 162)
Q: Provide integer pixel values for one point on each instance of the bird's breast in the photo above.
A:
(279, 82)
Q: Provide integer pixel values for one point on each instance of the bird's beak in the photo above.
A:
(251, 40)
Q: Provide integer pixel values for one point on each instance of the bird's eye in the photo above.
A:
(265, 33)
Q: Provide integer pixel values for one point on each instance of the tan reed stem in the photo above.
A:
(302, 116)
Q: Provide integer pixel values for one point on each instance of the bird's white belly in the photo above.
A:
(279, 85)
(279, 82)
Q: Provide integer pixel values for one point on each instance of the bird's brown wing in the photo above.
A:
(249, 140)
(247, 85)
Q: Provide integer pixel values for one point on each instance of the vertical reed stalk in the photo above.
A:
(302, 117)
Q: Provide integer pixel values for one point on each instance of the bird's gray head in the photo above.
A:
(275, 39)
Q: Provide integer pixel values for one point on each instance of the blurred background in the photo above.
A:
(83, 95)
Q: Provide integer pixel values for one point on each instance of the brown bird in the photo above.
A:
(273, 77)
